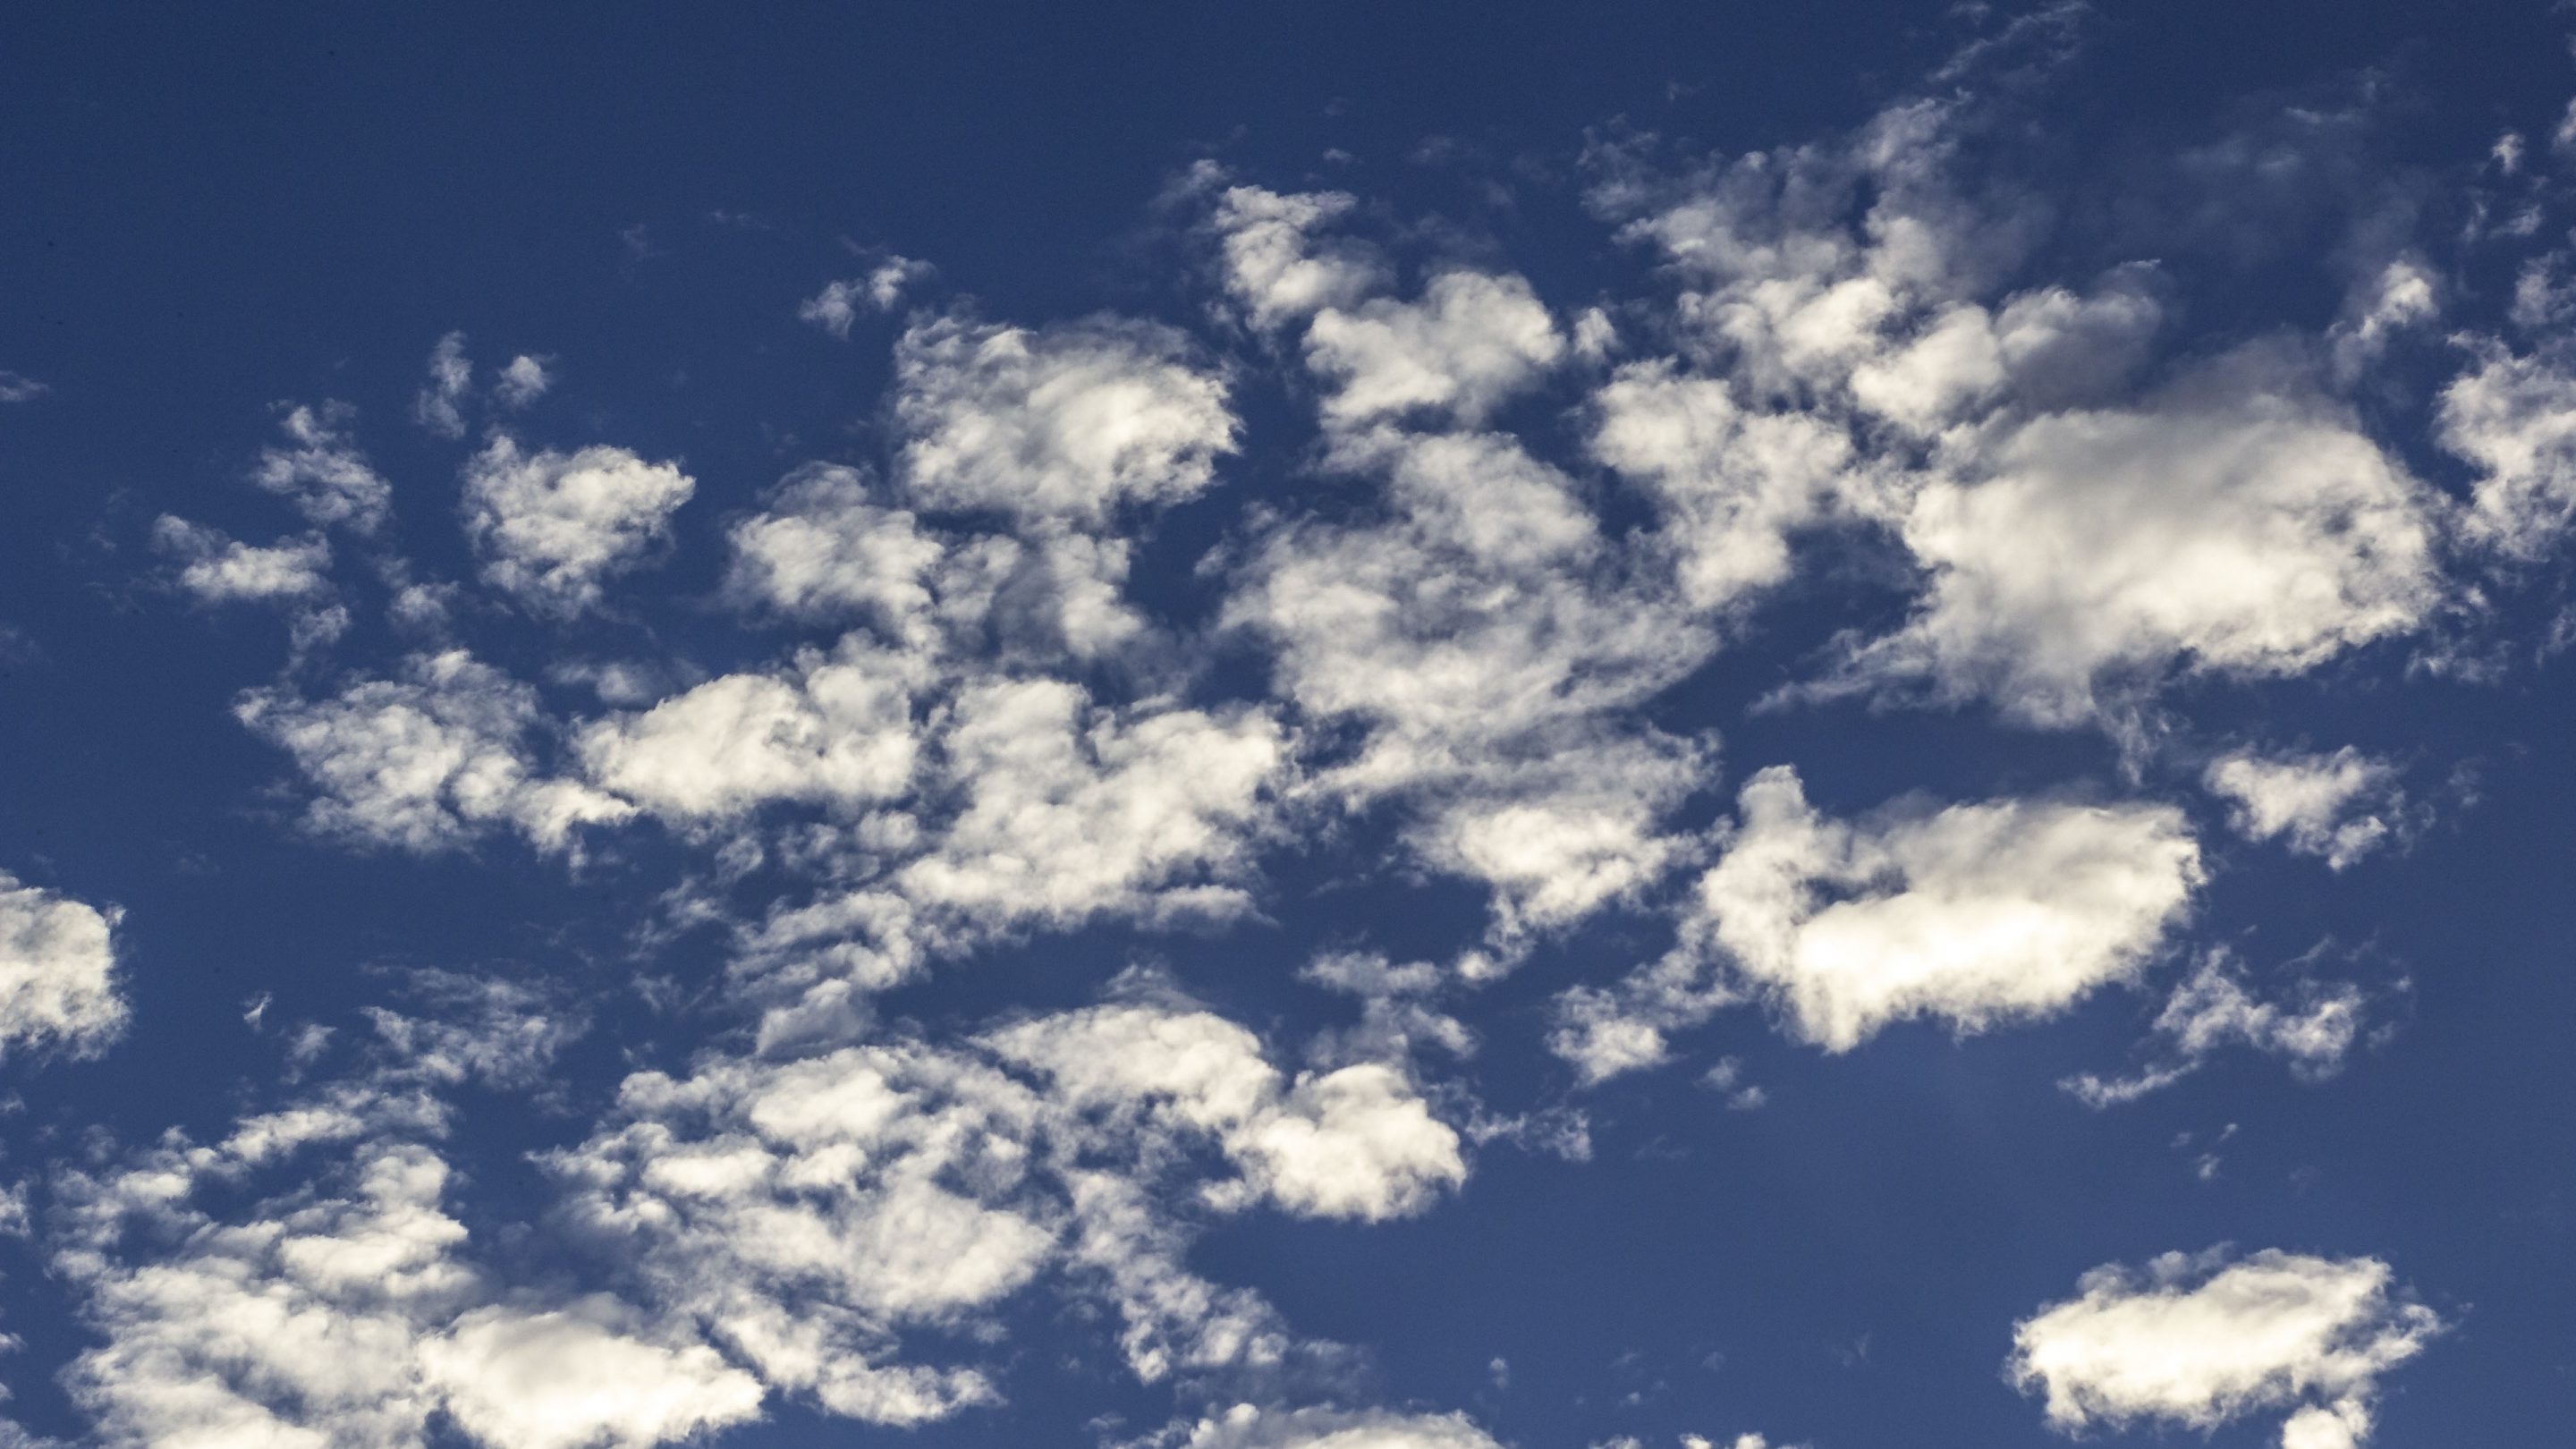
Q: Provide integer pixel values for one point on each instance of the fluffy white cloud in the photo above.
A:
(580, 1378)
(58, 987)
(1971, 913)
(423, 762)
(1071, 810)
(835, 1220)
(1356, 1142)
(1049, 812)
(347, 1312)
(2199, 1341)
(1974, 914)
(17, 387)
(1488, 646)
(216, 568)
(1469, 344)
(1067, 423)
(1274, 262)
(809, 1212)
(836, 730)
(2340, 806)
(2232, 528)
(824, 549)
(1734, 484)
(320, 470)
(550, 526)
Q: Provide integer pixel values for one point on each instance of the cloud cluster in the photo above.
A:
(344, 1303)
(1518, 533)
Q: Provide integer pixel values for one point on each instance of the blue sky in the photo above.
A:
(1285, 727)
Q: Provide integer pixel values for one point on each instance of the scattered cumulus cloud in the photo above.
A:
(2340, 806)
(1066, 424)
(551, 528)
(1972, 914)
(522, 381)
(2197, 1341)
(320, 470)
(216, 568)
(59, 990)
(839, 304)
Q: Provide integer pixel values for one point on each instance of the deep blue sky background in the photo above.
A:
(204, 211)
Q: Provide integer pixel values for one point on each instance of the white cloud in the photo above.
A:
(837, 306)
(2399, 296)
(1485, 641)
(2315, 1028)
(2340, 806)
(1357, 1142)
(1065, 424)
(216, 568)
(58, 988)
(2200, 1341)
(1974, 914)
(1072, 810)
(439, 406)
(346, 1312)
(1469, 344)
(835, 730)
(1246, 1426)
(837, 1220)
(1734, 485)
(550, 527)
(1273, 261)
(522, 382)
(423, 762)
(580, 1377)
(321, 471)
(2515, 418)
(17, 387)
(823, 549)
(2231, 528)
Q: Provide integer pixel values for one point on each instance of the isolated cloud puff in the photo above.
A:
(2197, 1341)
(552, 527)
(58, 988)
